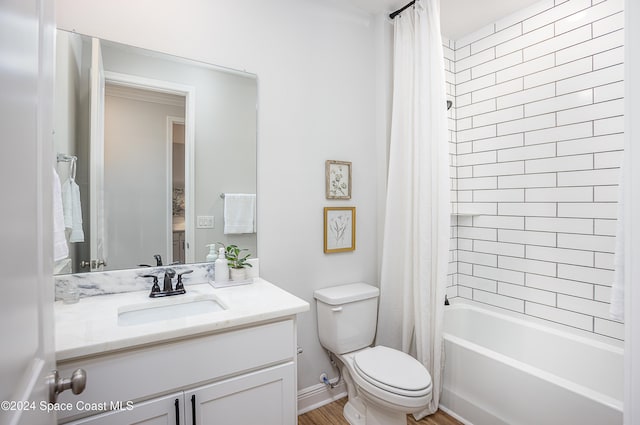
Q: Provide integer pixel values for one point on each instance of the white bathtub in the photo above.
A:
(505, 370)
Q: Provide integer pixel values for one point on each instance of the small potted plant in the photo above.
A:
(237, 262)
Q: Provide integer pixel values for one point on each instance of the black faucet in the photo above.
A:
(158, 259)
(167, 287)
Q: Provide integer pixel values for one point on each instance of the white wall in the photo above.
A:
(448, 50)
(539, 108)
(67, 100)
(632, 209)
(68, 52)
(316, 66)
(225, 154)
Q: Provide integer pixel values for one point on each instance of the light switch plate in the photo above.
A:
(205, 222)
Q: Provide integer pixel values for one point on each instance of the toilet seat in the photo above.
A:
(393, 371)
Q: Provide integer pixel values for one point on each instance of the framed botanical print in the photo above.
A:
(338, 179)
(339, 229)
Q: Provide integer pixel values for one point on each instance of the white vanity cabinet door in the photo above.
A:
(265, 397)
(159, 369)
(158, 411)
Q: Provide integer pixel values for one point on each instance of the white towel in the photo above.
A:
(239, 213)
(72, 210)
(60, 247)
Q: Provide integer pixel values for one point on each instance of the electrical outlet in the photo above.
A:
(205, 222)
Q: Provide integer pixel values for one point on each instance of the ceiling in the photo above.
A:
(457, 17)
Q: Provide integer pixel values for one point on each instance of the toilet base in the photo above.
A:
(365, 409)
(352, 415)
(367, 414)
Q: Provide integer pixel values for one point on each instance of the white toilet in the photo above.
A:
(384, 384)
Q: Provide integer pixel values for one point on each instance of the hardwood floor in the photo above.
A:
(331, 414)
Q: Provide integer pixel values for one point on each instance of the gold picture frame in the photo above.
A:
(339, 229)
(338, 179)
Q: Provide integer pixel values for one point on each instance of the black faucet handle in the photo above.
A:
(180, 285)
(155, 277)
(155, 288)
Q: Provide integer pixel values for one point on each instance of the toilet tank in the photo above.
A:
(347, 316)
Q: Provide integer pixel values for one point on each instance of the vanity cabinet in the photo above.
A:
(256, 398)
(240, 376)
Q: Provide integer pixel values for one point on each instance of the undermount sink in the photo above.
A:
(166, 310)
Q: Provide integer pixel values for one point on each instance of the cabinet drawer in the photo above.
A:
(144, 373)
(164, 410)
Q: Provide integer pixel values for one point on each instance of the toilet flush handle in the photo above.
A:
(336, 309)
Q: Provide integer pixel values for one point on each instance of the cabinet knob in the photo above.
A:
(56, 385)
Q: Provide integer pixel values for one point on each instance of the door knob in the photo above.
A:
(56, 385)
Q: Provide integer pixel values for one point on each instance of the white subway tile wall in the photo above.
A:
(536, 137)
(450, 56)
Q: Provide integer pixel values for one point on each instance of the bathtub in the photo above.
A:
(505, 370)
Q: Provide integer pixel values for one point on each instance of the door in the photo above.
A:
(97, 241)
(265, 397)
(26, 227)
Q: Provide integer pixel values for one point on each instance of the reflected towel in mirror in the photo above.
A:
(60, 247)
(239, 213)
(72, 210)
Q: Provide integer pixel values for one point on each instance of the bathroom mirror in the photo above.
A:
(160, 147)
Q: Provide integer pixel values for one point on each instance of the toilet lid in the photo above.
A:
(393, 371)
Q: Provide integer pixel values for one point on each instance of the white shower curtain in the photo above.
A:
(417, 218)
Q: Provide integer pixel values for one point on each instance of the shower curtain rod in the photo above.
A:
(399, 11)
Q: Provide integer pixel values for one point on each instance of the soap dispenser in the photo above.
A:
(211, 256)
(222, 267)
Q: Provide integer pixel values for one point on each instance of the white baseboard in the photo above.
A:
(315, 396)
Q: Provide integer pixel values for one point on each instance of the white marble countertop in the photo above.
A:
(91, 326)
